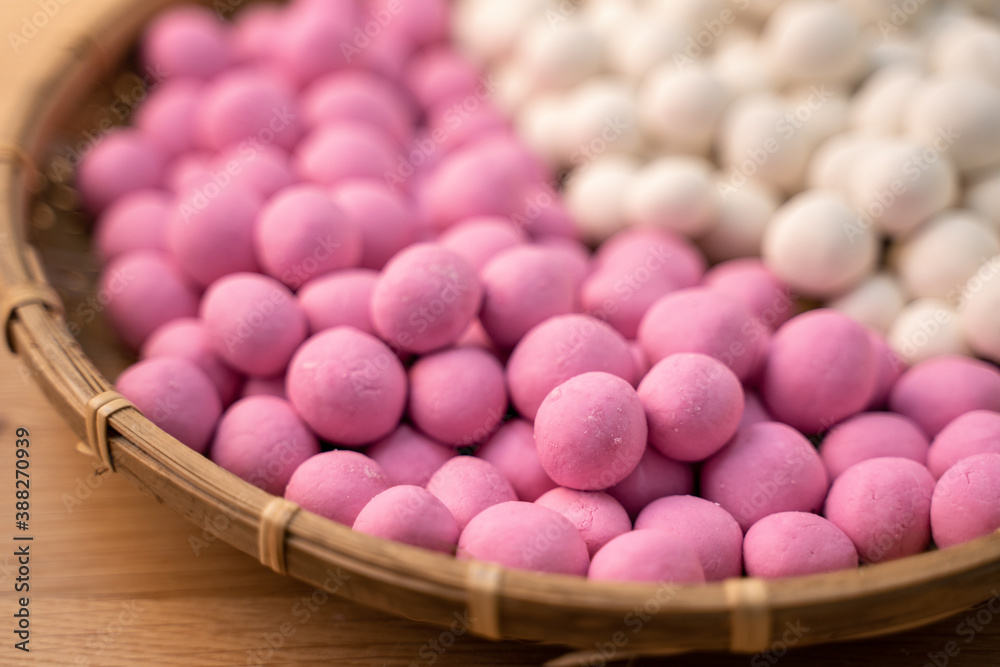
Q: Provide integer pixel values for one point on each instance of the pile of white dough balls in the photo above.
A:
(853, 144)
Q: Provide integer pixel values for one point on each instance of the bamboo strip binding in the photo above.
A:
(273, 529)
(99, 410)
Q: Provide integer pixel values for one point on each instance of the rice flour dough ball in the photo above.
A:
(336, 153)
(884, 506)
(425, 298)
(871, 435)
(407, 457)
(890, 367)
(248, 105)
(808, 41)
(341, 298)
(769, 299)
(599, 517)
(654, 477)
(562, 348)
(743, 216)
(524, 536)
(968, 46)
(956, 115)
(819, 344)
(982, 194)
(595, 195)
(187, 338)
(901, 183)
(590, 431)
(205, 220)
(765, 469)
(254, 323)
(680, 108)
(512, 450)
(124, 161)
(142, 291)
(934, 392)
(794, 544)
(264, 169)
(168, 115)
(693, 405)
(677, 193)
(468, 485)
(835, 159)
(975, 432)
(882, 101)
(655, 248)
(966, 501)
(348, 386)
(646, 555)
(411, 515)
(175, 395)
(523, 287)
(387, 220)
(945, 253)
(336, 485)
(979, 312)
(927, 328)
(458, 396)
(478, 240)
(815, 244)
(187, 41)
(263, 441)
(706, 321)
(137, 221)
(301, 234)
(875, 303)
(312, 40)
(705, 526)
(559, 56)
(359, 96)
(600, 117)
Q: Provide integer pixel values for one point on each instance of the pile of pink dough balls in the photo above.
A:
(351, 284)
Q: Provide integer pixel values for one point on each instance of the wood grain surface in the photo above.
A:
(118, 580)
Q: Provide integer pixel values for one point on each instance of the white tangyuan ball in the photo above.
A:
(938, 259)
(817, 112)
(881, 101)
(896, 50)
(741, 68)
(969, 47)
(487, 30)
(756, 141)
(875, 303)
(641, 42)
(561, 55)
(835, 159)
(600, 116)
(540, 123)
(983, 196)
(691, 16)
(678, 193)
(680, 108)
(980, 309)
(743, 215)
(810, 41)
(595, 195)
(900, 184)
(811, 246)
(607, 17)
(927, 328)
(958, 116)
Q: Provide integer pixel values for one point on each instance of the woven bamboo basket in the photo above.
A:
(739, 615)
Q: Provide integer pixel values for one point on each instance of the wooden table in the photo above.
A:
(119, 580)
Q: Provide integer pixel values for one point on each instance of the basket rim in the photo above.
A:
(746, 611)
